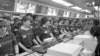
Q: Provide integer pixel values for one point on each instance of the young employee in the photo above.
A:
(26, 39)
(8, 43)
(43, 32)
(55, 30)
(16, 25)
(35, 22)
(95, 31)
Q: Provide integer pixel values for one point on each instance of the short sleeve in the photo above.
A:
(13, 39)
(92, 31)
(39, 31)
(18, 37)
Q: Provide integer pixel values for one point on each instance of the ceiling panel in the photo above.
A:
(80, 3)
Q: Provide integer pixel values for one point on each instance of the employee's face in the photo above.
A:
(55, 24)
(3, 30)
(61, 22)
(27, 23)
(38, 18)
(29, 17)
(47, 23)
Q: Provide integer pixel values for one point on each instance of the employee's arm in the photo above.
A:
(24, 48)
(52, 36)
(16, 49)
(37, 37)
(35, 42)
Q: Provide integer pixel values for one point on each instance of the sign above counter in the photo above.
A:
(7, 5)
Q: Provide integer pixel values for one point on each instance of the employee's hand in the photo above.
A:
(37, 46)
(17, 55)
(29, 51)
(48, 40)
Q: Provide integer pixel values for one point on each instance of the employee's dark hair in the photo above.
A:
(96, 22)
(6, 17)
(44, 20)
(34, 17)
(29, 14)
(16, 19)
(24, 19)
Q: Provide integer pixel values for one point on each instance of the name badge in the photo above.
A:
(24, 36)
(56, 31)
(46, 32)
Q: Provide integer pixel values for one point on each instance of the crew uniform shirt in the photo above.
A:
(43, 33)
(15, 27)
(7, 44)
(26, 37)
(55, 31)
(35, 24)
(95, 31)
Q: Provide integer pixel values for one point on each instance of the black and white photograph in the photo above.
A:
(49, 27)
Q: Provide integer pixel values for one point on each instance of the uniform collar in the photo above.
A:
(22, 27)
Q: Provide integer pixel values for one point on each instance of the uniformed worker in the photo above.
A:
(95, 31)
(25, 36)
(43, 32)
(55, 30)
(7, 19)
(8, 43)
(16, 25)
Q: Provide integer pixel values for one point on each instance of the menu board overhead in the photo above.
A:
(7, 5)
(77, 16)
(38, 8)
(86, 16)
(60, 12)
(21, 6)
(44, 10)
(68, 13)
(72, 15)
(80, 16)
(31, 8)
(55, 11)
(50, 11)
(65, 14)
(91, 16)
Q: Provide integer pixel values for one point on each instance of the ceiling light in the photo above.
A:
(63, 2)
(77, 8)
(88, 11)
